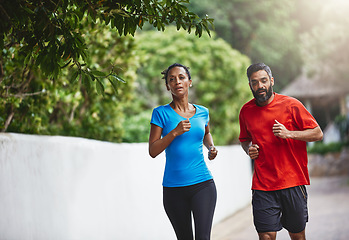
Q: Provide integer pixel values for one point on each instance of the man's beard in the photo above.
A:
(264, 98)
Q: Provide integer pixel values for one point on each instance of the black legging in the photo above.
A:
(199, 199)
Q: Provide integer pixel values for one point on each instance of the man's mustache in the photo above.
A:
(261, 90)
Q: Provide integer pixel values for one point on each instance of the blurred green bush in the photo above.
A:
(218, 74)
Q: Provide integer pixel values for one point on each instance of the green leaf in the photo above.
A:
(28, 10)
(99, 87)
(56, 72)
(119, 24)
(113, 84)
(178, 23)
(98, 73)
(39, 59)
(198, 30)
(112, 22)
(126, 28)
(86, 81)
(133, 27)
(107, 20)
(204, 23)
(117, 78)
(27, 58)
(92, 16)
(76, 20)
(74, 76)
(66, 65)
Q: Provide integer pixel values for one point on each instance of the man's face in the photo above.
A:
(261, 86)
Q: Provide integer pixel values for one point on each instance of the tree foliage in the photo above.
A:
(57, 107)
(265, 31)
(47, 54)
(218, 73)
(51, 34)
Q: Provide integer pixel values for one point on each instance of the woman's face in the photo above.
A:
(178, 82)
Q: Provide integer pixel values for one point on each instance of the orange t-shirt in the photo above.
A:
(282, 163)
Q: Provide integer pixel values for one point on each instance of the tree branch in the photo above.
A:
(22, 95)
(8, 119)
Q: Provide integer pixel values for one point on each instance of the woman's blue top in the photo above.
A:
(185, 164)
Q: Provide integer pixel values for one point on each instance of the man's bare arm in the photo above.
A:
(251, 149)
(308, 135)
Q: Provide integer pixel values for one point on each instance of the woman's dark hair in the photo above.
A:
(257, 67)
(165, 72)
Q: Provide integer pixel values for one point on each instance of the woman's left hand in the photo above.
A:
(212, 152)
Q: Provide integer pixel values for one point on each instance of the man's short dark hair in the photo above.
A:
(257, 67)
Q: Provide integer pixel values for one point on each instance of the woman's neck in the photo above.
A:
(183, 108)
(181, 105)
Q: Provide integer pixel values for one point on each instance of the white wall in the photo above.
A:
(65, 188)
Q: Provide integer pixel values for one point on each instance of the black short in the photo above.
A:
(273, 210)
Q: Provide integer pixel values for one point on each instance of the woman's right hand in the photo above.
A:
(182, 127)
(157, 144)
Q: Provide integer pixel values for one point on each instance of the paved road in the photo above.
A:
(328, 205)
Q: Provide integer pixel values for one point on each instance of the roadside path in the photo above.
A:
(328, 204)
